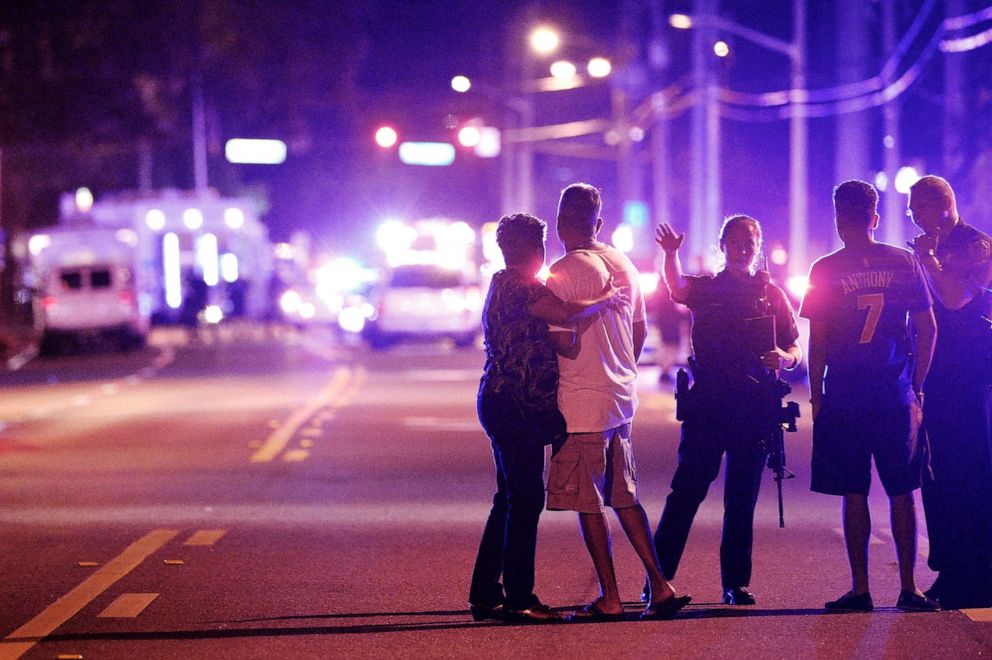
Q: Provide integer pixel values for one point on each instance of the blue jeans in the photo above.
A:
(509, 541)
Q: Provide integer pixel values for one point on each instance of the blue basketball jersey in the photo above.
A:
(864, 296)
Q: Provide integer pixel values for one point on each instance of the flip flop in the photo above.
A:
(591, 613)
(666, 609)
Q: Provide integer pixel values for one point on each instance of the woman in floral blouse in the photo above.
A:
(518, 409)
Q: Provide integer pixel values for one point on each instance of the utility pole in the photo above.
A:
(628, 175)
(199, 127)
(893, 205)
(853, 135)
(954, 110)
(798, 146)
(705, 157)
(658, 57)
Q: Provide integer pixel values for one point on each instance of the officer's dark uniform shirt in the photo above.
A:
(964, 336)
(726, 342)
(863, 295)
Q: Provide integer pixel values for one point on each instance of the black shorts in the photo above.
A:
(844, 442)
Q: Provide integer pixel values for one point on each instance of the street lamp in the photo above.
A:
(517, 100)
(563, 70)
(544, 40)
(706, 124)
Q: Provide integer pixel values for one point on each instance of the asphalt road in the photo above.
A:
(246, 495)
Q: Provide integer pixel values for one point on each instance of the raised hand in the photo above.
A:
(666, 237)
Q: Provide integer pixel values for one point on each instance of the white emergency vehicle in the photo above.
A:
(430, 286)
(88, 287)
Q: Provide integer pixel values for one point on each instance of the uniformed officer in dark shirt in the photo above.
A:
(742, 327)
(957, 260)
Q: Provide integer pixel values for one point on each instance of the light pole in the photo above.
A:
(706, 129)
(517, 101)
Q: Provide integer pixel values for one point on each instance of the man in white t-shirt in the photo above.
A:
(597, 395)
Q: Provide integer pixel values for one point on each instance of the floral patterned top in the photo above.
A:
(520, 359)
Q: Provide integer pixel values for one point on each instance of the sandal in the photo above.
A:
(666, 609)
(591, 613)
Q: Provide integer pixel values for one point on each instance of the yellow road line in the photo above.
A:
(127, 606)
(983, 615)
(21, 640)
(295, 455)
(205, 537)
(282, 435)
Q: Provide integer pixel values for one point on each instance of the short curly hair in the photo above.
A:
(855, 203)
(519, 234)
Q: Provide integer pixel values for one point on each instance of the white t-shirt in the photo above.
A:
(597, 390)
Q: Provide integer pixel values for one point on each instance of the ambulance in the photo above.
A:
(88, 288)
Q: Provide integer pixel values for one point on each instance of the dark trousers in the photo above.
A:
(701, 448)
(957, 500)
(509, 541)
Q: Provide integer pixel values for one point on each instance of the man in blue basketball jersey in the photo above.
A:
(867, 366)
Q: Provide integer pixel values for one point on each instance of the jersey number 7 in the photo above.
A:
(873, 302)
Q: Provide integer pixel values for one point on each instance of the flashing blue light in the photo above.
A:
(635, 213)
(432, 154)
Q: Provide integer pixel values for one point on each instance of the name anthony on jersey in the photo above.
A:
(874, 279)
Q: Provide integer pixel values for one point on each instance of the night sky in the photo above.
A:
(86, 82)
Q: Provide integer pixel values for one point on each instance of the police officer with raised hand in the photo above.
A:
(742, 328)
(957, 410)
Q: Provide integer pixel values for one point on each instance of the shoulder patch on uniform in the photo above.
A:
(980, 251)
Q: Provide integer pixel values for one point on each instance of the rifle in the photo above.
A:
(784, 417)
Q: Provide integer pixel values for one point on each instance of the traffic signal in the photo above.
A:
(483, 140)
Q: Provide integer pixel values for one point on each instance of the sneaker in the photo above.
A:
(852, 602)
(916, 603)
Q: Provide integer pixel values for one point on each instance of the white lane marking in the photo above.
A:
(109, 388)
(440, 424)
(278, 440)
(21, 640)
(127, 606)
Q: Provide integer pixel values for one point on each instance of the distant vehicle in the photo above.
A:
(87, 288)
(426, 300)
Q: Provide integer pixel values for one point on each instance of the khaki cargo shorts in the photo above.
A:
(591, 471)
